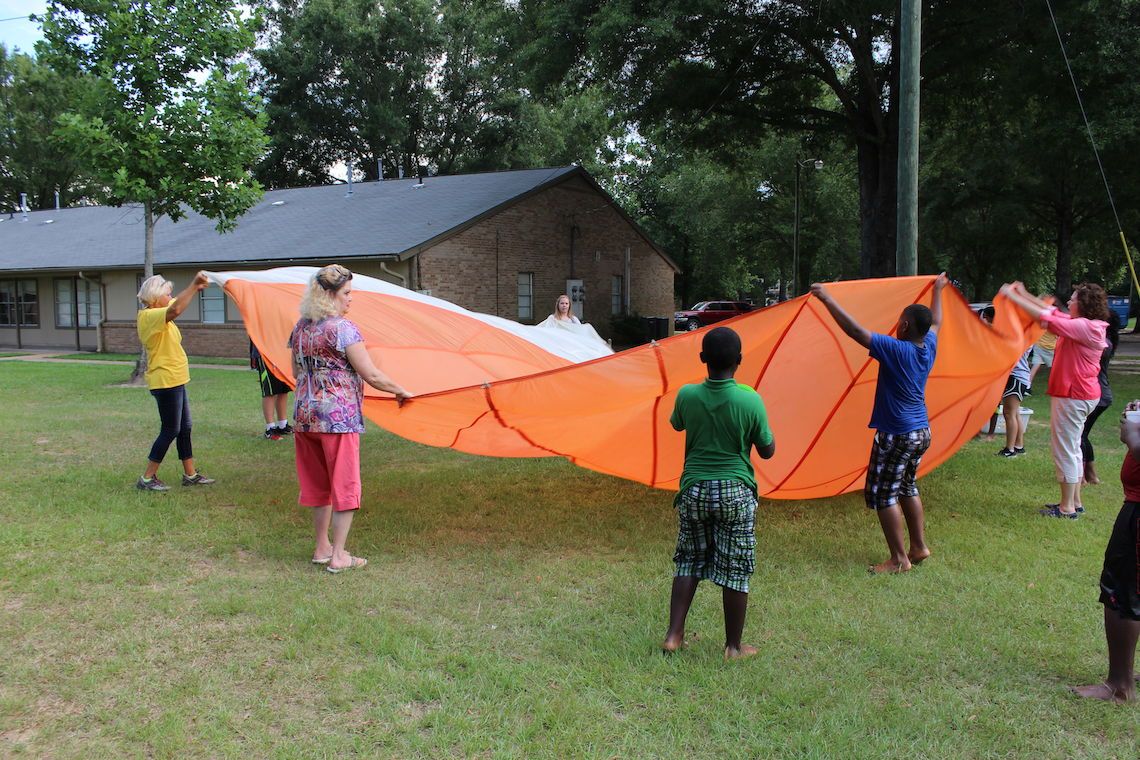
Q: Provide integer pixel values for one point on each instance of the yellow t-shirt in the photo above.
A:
(166, 364)
(1047, 341)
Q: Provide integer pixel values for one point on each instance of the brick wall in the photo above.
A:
(479, 267)
(197, 339)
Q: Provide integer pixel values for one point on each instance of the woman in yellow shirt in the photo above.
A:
(1043, 350)
(167, 374)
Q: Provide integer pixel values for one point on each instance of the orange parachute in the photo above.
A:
(490, 386)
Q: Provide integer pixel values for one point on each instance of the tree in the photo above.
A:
(416, 84)
(172, 123)
(1010, 187)
(714, 72)
(33, 160)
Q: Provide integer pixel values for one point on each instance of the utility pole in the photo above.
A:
(910, 50)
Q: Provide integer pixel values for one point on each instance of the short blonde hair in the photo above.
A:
(318, 302)
(153, 288)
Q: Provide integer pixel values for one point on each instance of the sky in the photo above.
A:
(21, 33)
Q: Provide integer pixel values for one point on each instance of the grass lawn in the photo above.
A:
(514, 608)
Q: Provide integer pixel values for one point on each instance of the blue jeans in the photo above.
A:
(174, 412)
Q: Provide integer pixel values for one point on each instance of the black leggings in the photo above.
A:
(174, 412)
(1086, 445)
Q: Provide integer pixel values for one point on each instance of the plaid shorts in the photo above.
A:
(717, 536)
(893, 467)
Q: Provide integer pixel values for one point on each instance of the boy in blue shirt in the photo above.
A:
(902, 428)
(716, 505)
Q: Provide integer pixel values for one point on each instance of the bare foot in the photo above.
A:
(746, 650)
(1103, 692)
(916, 557)
(1093, 481)
(890, 566)
(672, 644)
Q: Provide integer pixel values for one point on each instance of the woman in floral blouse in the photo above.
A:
(330, 364)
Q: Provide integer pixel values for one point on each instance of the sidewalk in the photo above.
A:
(53, 357)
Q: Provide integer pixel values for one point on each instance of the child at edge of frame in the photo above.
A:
(716, 503)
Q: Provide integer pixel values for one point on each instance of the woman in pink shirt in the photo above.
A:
(1073, 387)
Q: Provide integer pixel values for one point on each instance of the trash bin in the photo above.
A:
(655, 328)
(1119, 304)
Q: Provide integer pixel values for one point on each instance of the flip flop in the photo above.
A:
(322, 560)
(356, 562)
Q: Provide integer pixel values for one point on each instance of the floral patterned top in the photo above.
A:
(329, 392)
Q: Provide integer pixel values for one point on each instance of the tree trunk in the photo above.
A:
(878, 169)
(138, 376)
(877, 152)
(1065, 246)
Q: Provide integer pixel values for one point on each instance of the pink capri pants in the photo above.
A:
(328, 469)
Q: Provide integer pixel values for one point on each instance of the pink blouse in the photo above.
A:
(1076, 360)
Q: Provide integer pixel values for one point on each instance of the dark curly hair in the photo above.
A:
(1092, 301)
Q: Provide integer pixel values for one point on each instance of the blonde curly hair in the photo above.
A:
(318, 301)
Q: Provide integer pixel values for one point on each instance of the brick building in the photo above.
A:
(504, 243)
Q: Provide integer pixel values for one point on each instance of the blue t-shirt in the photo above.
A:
(900, 393)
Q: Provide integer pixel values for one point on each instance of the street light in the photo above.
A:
(796, 225)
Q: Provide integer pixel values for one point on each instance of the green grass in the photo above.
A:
(108, 357)
(513, 608)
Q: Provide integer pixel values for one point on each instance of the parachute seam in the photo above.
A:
(850, 386)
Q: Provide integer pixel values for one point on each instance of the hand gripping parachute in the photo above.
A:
(490, 386)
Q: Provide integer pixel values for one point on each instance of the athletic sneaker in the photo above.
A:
(1018, 450)
(1007, 453)
(197, 479)
(287, 430)
(154, 484)
(272, 434)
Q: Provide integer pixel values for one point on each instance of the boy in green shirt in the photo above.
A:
(716, 505)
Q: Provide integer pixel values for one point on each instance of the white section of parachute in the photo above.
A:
(573, 345)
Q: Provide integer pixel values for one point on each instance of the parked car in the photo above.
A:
(708, 312)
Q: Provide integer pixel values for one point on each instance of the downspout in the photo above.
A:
(628, 285)
(403, 280)
(102, 309)
(573, 233)
(75, 310)
(19, 316)
(496, 312)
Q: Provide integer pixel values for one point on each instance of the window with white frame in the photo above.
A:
(19, 297)
(86, 296)
(212, 302)
(617, 292)
(526, 296)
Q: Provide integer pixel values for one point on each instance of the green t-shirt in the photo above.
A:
(722, 421)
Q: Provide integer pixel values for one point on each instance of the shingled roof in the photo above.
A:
(393, 218)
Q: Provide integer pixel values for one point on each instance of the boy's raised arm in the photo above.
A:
(936, 301)
(847, 324)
